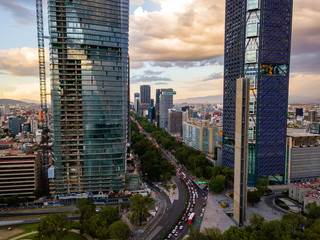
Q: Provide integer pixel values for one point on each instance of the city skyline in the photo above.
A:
(175, 57)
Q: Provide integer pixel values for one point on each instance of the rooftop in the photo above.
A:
(313, 195)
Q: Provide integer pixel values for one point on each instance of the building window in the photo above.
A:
(253, 4)
(274, 69)
(252, 79)
(251, 56)
(251, 107)
(252, 30)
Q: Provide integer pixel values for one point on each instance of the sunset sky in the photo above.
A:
(173, 43)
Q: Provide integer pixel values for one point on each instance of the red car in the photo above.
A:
(167, 209)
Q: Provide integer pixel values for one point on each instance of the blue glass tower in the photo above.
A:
(257, 46)
(89, 78)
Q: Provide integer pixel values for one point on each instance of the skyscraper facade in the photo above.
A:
(136, 102)
(166, 102)
(89, 78)
(257, 46)
(145, 94)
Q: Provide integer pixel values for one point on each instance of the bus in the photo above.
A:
(191, 218)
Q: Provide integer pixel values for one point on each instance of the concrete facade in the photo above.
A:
(303, 157)
(241, 152)
(175, 122)
(19, 173)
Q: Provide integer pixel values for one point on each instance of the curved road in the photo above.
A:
(269, 202)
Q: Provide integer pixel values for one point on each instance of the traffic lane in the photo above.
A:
(162, 215)
(175, 212)
(197, 209)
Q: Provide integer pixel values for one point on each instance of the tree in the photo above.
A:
(54, 226)
(256, 221)
(39, 192)
(174, 186)
(110, 214)
(313, 210)
(119, 230)
(217, 183)
(235, 233)
(139, 207)
(253, 197)
(212, 233)
(86, 208)
(198, 172)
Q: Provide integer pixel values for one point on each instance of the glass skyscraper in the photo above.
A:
(90, 85)
(257, 46)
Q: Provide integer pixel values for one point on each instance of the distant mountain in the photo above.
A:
(12, 102)
(30, 101)
(208, 99)
(293, 99)
(303, 100)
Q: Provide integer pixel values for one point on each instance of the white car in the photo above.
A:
(181, 227)
(173, 231)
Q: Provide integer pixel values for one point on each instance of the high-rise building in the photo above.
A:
(145, 94)
(299, 112)
(158, 93)
(15, 125)
(166, 102)
(175, 122)
(312, 116)
(136, 102)
(89, 79)
(257, 46)
(241, 152)
(201, 135)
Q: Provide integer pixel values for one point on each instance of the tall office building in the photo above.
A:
(89, 79)
(145, 94)
(158, 93)
(136, 102)
(166, 102)
(257, 46)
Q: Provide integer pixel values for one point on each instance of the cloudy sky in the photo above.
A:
(173, 43)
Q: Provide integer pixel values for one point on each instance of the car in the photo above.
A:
(188, 208)
(201, 215)
(204, 204)
(202, 209)
(191, 209)
(179, 223)
(167, 209)
(186, 219)
(176, 227)
(170, 235)
(181, 227)
(176, 234)
(173, 231)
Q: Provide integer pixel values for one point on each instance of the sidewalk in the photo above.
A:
(264, 210)
(214, 216)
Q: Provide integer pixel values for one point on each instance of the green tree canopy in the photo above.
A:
(54, 226)
(139, 208)
(253, 197)
(119, 230)
(86, 208)
(217, 184)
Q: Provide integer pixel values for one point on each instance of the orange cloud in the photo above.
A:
(20, 61)
(181, 30)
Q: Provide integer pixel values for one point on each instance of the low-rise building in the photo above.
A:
(298, 190)
(311, 198)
